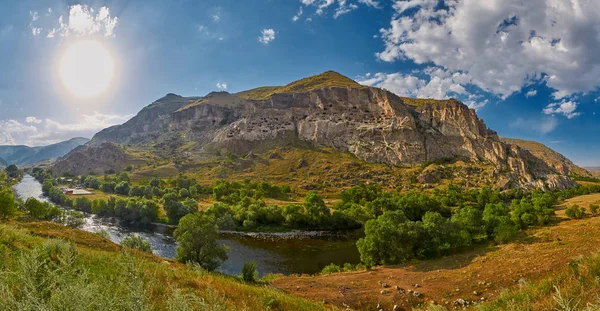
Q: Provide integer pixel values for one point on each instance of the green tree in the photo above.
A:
(41, 210)
(8, 207)
(594, 209)
(92, 182)
(122, 188)
(83, 204)
(390, 239)
(12, 171)
(135, 241)
(197, 236)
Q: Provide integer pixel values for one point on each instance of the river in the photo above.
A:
(273, 255)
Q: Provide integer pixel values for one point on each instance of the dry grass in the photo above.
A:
(326, 79)
(539, 253)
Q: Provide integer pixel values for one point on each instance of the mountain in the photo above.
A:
(553, 158)
(23, 155)
(328, 111)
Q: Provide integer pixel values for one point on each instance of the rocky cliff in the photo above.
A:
(334, 111)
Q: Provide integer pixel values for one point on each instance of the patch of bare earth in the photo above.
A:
(475, 276)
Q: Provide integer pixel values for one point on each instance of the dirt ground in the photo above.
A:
(474, 276)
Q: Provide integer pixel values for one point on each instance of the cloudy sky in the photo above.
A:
(530, 68)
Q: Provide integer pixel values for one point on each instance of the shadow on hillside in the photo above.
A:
(452, 262)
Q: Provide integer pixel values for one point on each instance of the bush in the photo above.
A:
(594, 209)
(575, 212)
(72, 219)
(249, 272)
(137, 242)
(331, 268)
(83, 204)
(122, 188)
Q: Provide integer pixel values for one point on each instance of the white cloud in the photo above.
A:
(222, 86)
(531, 93)
(541, 126)
(35, 132)
(266, 36)
(501, 45)
(297, 16)
(216, 17)
(440, 84)
(33, 120)
(566, 108)
(81, 21)
(343, 6)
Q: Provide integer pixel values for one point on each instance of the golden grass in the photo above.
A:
(326, 79)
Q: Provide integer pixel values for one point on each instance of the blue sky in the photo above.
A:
(530, 69)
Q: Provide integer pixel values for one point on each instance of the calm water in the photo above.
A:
(287, 256)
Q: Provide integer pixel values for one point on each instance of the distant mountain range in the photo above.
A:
(24, 155)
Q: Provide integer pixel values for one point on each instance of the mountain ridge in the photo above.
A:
(331, 110)
(23, 155)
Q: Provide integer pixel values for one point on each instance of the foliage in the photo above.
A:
(8, 207)
(12, 171)
(41, 210)
(137, 242)
(83, 204)
(575, 212)
(249, 272)
(594, 209)
(197, 238)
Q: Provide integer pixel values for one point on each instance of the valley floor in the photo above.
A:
(475, 276)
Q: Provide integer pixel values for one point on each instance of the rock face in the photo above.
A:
(94, 159)
(371, 123)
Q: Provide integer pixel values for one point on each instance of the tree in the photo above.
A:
(83, 204)
(135, 241)
(249, 272)
(390, 239)
(92, 182)
(8, 208)
(122, 188)
(41, 210)
(197, 236)
(108, 187)
(47, 186)
(12, 171)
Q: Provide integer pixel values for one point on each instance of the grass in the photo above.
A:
(521, 275)
(44, 266)
(326, 79)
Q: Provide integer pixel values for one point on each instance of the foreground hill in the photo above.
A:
(45, 266)
(24, 155)
(326, 110)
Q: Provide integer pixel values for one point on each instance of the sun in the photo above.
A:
(86, 68)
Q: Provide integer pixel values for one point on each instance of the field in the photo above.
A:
(478, 275)
(100, 273)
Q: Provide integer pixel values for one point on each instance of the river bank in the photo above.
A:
(295, 252)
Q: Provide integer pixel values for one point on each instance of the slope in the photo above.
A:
(553, 158)
(70, 269)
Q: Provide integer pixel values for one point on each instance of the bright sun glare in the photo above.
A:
(86, 68)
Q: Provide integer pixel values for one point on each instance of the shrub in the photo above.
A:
(575, 212)
(137, 242)
(41, 210)
(331, 268)
(249, 272)
(594, 209)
